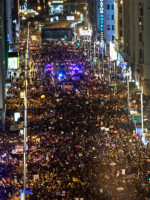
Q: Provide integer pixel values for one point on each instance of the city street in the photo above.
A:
(81, 143)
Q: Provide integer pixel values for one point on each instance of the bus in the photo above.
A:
(57, 33)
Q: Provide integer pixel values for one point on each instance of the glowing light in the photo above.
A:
(39, 8)
(60, 75)
(49, 67)
(25, 13)
(42, 96)
(49, 3)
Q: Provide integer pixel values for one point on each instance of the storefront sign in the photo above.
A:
(102, 19)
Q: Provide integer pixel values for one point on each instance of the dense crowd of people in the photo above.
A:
(81, 143)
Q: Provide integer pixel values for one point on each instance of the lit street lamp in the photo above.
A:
(78, 13)
(49, 3)
(23, 192)
(128, 101)
(142, 118)
(39, 8)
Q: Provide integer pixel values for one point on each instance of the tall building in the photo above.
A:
(109, 21)
(101, 18)
(132, 30)
(94, 15)
(3, 61)
(12, 21)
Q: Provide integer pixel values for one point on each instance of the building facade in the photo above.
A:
(109, 21)
(12, 21)
(3, 62)
(94, 15)
(101, 18)
(132, 30)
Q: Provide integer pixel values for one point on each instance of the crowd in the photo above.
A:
(81, 142)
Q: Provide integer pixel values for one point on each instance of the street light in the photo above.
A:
(128, 101)
(142, 118)
(25, 13)
(39, 8)
(78, 13)
(25, 118)
(49, 3)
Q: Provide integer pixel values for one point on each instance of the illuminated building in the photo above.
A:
(101, 17)
(132, 30)
(3, 61)
(12, 16)
(109, 21)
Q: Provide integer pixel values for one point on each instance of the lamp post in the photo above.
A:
(142, 118)
(94, 49)
(103, 63)
(74, 24)
(115, 76)
(25, 116)
(128, 101)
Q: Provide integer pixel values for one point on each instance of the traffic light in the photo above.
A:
(148, 177)
(112, 89)
(78, 43)
(65, 37)
(102, 102)
(15, 178)
(124, 108)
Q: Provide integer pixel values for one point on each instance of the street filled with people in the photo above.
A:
(81, 139)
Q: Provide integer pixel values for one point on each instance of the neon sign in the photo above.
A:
(102, 19)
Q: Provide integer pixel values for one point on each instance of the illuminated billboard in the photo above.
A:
(17, 116)
(86, 32)
(13, 62)
(70, 18)
(56, 9)
(113, 51)
(102, 19)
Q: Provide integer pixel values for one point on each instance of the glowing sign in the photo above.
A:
(86, 32)
(57, 1)
(17, 116)
(113, 51)
(70, 18)
(102, 19)
(124, 65)
(13, 63)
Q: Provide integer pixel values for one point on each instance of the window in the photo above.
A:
(140, 53)
(108, 6)
(120, 33)
(113, 27)
(108, 17)
(108, 27)
(120, 22)
(140, 37)
(120, 9)
(112, 17)
(112, 37)
(112, 6)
